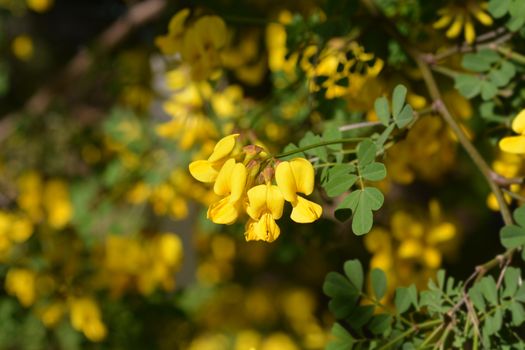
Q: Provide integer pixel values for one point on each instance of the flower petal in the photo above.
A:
(304, 174)
(238, 181)
(286, 181)
(274, 201)
(257, 201)
(222, 185)
(305, 211)
(518, 124)
(223, 212)
(223, 148)
(203, 171)
(513, 144)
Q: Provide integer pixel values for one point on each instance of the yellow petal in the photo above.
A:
(432, 258)
(518, 124)
(176, 25)
(455, 28)
(303, 172)
(410, 248)
(223, 212)
(256, 201)
(223, 148)
(513, 144)
(266, 229)
(442, 233)
(274, 201)
(483, 17)
(305, 211)
(470, 33)
(442, 22)
(222, 185)
(203, 171)
(238, 181)
(286, 181)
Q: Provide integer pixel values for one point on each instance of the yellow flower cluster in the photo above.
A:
(412, 251)
(508, 165)
(243, 178)
(86, 317)
(130, 263)
(44, 200)
(458, 18)
(198, 44)
(339, 68)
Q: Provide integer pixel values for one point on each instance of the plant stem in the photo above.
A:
(358, 126)
(519, 58)
(415, 328)
(320, 144)
(445, 71)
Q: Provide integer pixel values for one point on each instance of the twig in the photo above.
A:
(39, 102)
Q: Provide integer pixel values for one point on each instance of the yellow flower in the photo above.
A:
(86, 317)
(171, 43)
(515, 144)
(459, 17)
(22, 47)
(39, 5)
(21, 283)
(57, 203)
(230, 182)
(208, 170)
(265, 206)
(296, 176)
(201, 45)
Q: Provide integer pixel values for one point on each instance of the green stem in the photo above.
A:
(516, 196)
(320, 144)
(445, 71)
(416, 328)
(430, 337)
(511, 54)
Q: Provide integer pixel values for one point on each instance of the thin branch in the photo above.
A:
(80, 64)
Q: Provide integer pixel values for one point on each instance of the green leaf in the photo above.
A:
(480, 61)
(382, 110)
(468, 85)
(405, 117)
(311, 139)
(292, 147)
(337, 285)
(373, 198)
(347, 206)
(354, 271)
(362, 219)
(332, 132)
(380, 323)
(343, 339)
(499, 8)
(342, 306)
(378, 280)
(380, 142)
(488, 90)
(489, 290)
(512, 236)
(336, 186)
(518, 313)
(405, 296)
(519, 216)
(398, 100)
(366, 152)
(374, 172)
(360, 316)
(511, 279)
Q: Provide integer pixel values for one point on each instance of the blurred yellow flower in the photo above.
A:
(458, 18)
(86, 317)
(22, 47)
(39, 5)
(515, 144)
(20, 282)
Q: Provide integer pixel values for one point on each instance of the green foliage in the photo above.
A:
(515, 9)
(494, 73)
(443, 315)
